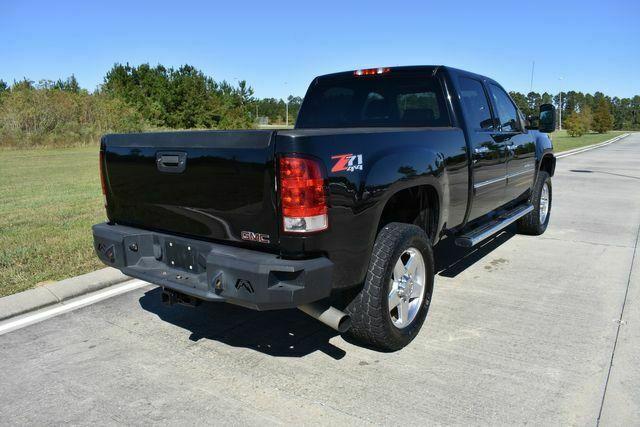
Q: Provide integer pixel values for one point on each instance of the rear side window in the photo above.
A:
(374, 101)
(475, 104)
(507, 112)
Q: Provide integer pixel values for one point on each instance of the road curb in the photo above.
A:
(58, 292)
(590, 147)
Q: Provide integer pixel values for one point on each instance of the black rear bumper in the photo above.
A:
(213, 272)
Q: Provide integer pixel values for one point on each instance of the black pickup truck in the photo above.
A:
(338, 216)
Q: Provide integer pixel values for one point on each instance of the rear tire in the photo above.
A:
(401, 250)
(535, 222)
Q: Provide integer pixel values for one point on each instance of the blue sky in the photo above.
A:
(278, 47)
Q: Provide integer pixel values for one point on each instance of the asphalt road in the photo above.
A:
(539, 330)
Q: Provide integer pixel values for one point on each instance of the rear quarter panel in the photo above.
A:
(392, 160)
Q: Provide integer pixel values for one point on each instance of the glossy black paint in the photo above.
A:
(393, 160)
(229, 183)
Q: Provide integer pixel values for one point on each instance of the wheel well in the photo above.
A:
(548, 164)
(415, 205)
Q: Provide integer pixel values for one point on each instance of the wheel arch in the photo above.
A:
(548, 164)
(413, 175)
(416, 204)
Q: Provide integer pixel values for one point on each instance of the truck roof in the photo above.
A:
(409, 68)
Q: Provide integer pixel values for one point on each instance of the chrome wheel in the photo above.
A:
(544, 203)
(407, 288)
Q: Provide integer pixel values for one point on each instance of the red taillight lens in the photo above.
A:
(103, 181)
(302, 195)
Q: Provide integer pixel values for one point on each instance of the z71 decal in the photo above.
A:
(347, 162)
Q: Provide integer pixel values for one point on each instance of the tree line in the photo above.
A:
(275, 110)
(144, 97)
(60, 113)
(582, 112)
(130, 99)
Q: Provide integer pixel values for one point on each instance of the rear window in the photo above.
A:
(390, 101)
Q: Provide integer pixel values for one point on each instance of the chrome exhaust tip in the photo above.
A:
(330, 316)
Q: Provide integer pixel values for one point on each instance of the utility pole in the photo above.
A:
(286, 107)
(560, 112)
(533, 66)
(560, 106)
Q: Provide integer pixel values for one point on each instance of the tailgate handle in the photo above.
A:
(171, 161)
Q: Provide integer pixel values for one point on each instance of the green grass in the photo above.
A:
(563, 142)
(49, 198)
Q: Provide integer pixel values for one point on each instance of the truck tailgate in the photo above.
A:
(212, 185)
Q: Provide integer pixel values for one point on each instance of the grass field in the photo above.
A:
(563, 142)
(48, 201)
(51, 197)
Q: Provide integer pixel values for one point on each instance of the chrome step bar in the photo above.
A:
(477, 235)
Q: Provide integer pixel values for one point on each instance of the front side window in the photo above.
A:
(475, 104)
(507, 112)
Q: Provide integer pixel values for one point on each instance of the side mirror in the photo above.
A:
(547, 120)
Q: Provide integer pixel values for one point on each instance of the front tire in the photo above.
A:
(535, 222)
(391, 307)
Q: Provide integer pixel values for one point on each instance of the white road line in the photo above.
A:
(592, 147)
(65, 307)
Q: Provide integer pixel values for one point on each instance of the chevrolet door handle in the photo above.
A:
(481, 150)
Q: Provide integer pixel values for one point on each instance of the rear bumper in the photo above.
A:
(213, 272)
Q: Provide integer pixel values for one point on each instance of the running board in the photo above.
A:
(477, 235)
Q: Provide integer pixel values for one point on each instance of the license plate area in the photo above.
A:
(181, 256)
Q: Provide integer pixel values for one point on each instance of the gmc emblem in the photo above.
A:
(254, 237)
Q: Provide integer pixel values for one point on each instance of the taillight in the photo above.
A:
(103, 181)
(302, 195)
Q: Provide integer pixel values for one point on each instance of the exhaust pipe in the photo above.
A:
(330, 316)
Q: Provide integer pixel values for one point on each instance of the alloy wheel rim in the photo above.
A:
(544, 203)
(407, 288)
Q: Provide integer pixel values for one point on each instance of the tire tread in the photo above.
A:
(368, 321)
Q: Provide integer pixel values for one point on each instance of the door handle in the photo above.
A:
(171, 161)
(481, 150)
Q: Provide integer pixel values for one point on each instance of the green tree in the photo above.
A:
(534, 100)
(275, 109)
(68, 85)
(602, 117)
(181, 99)
(23, 84)
(579, 122)
(574, 101)
(561, 107)
(4, 88)
(295, 102)
(521, 102)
